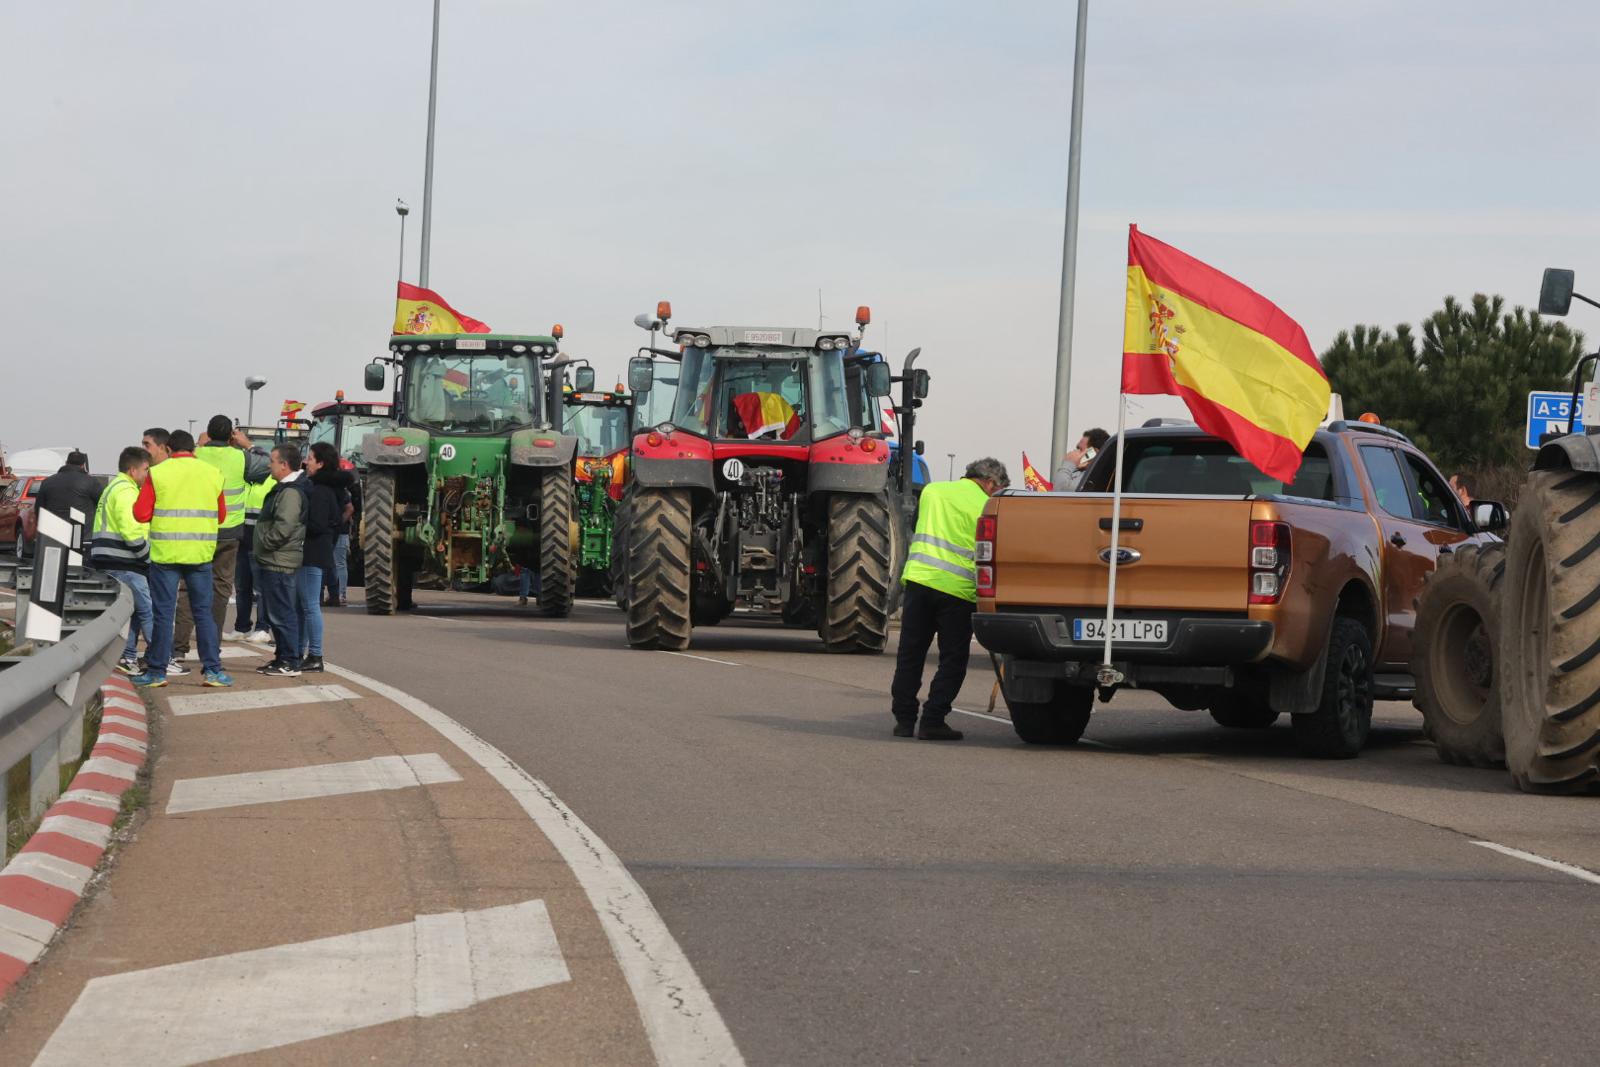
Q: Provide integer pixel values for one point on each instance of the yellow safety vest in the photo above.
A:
(942, 549)
(184, 526)
(118, 539)
(254, 497)
(230, 461)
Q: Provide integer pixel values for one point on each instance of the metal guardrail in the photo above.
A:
(43, 691)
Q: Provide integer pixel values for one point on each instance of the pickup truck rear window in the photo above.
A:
(1208, 467)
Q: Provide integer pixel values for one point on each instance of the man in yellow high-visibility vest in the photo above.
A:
(228, 449)
(183, 504)
(941, 580)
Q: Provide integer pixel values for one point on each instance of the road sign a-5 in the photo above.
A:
(1548, 413)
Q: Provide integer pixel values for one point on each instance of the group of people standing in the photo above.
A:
(222, 520)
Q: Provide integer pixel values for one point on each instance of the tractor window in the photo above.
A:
(830, 399)
(473, 394)
(357, 428)
(764, 399)
(655, 407)
(601, 430)
(324, 429)
(691, 407)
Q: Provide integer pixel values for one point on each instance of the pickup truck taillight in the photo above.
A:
(983, 552)
(1269, 561)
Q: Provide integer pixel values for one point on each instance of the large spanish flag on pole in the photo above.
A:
(418, 310)
(1244, 368)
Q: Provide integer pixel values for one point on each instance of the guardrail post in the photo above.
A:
(69, 742)
(44, 776)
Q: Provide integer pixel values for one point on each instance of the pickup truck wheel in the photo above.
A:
(1239, 714)
(1339, 727)
(1053, 722)
(1453, 656)
(1550, 635)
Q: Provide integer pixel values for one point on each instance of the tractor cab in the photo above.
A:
(469, 384)
(346, 424)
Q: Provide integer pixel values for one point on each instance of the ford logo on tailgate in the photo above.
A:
(1125, 556)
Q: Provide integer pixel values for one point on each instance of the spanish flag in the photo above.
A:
(1032, 480)
(291, 408)
(765, 412)
(1244, 368)
(418, 310)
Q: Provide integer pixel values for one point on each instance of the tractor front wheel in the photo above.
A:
(659, 569)
(855, 614)
(377, 540)
(557, 562)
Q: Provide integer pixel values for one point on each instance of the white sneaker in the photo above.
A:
(236, 635)
(259, 637)
(176, 669)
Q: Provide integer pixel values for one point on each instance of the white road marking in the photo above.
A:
(303, 783)
(267, 998)
(234, 652)
(246, 699)
(1581, 873)
(1007, 722)
(682, 1023)
(706, 659)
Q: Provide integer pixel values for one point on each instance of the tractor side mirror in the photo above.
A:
(583, 379)
(373, 377)
(1490, 516)
(919, 384)
(880, 382)
(1555, 294)
(641, 374)
(921, 448)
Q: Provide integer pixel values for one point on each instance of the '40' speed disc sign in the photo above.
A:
(733, 470)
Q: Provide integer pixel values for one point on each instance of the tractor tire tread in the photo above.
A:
(659, 565)
(1465, 731)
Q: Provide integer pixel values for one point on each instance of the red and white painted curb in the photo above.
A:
(42, 883)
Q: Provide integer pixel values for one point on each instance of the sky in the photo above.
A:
(194, 192)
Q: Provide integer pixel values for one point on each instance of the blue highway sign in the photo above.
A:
(1548, 413)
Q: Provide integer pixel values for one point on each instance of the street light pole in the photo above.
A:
(402, 210)
(952, 474)
(1069, 256)
(427, 174)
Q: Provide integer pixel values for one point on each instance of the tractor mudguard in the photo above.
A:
(1575, 451)
(651, 473)
(841, 465)
(411, 451)
(542, 448)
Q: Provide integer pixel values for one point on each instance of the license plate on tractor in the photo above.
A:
(1123, 631)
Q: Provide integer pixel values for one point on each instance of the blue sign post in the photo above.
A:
(1548, 413)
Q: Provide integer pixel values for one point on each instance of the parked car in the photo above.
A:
(1236, 593)
(18, 521)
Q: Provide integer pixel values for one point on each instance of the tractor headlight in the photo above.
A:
(519, 348)
(665, 428)
(702, 341)
(826, 344)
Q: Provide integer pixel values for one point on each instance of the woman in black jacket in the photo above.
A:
(324, 514)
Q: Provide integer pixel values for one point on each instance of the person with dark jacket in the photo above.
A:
(279, 545)
(324, 514)
(72, 487)
(337, 580)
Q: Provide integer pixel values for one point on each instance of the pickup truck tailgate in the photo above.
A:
(1192, 552)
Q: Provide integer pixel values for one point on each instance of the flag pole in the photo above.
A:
(1109, 675)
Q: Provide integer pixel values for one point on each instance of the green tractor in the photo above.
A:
(602, 424)
(472, 476)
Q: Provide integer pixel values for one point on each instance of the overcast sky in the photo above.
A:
(197, 191)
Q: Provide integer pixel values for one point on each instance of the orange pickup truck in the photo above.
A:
(1236, 593)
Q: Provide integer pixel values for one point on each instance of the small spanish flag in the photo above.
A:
(1032, 480)
(1244, 368)
(765, 412)
(291, 408)
(418, 310)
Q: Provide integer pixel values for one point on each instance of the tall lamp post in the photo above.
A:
(952, 474)
(1069, 253)
(252, 384)
(427, 173)
(401, 209)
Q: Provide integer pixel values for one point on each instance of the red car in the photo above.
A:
(18, 519)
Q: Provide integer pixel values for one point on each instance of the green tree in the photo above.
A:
(1461, 392)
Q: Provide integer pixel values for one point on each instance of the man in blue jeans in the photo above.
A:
(279, 543)
(120, 546)
(183, 504)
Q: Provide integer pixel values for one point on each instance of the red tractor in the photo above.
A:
(768, 487)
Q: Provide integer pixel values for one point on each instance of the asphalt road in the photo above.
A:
(1169, 892)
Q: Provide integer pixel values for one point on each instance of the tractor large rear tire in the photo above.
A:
(1550, 635)
(1453, 656)
(855, 613)
(557, 562)
(619, 553)
(377, 540)
(660, 569)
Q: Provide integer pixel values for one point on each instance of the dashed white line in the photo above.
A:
(303, 783)
(247, 699)
(1007, 722)
(703, 659)
(1581, 873)
(203, 1010)
(681, 1021)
